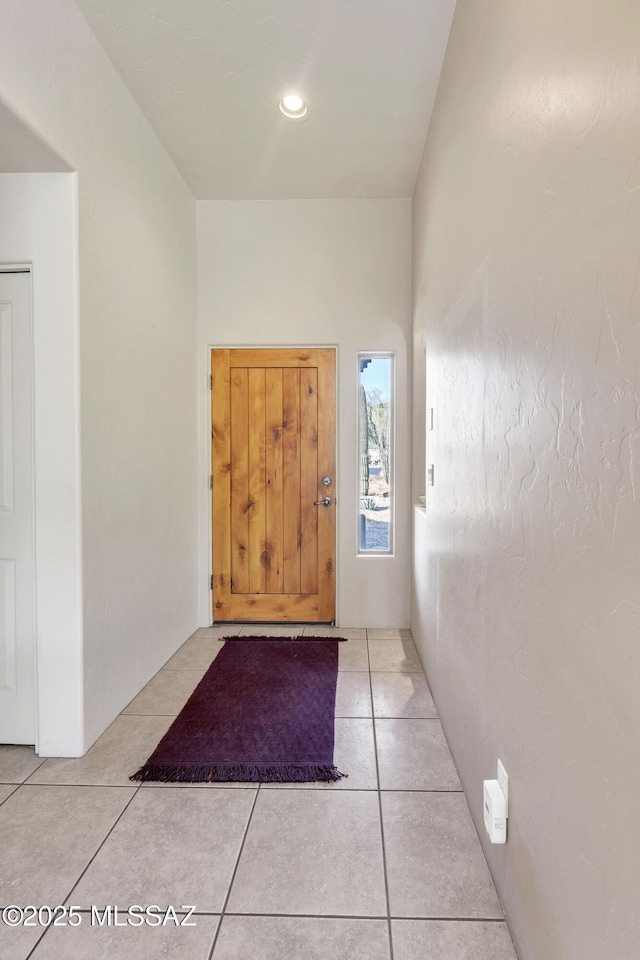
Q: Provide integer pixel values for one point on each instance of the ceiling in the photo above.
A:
(208, 75)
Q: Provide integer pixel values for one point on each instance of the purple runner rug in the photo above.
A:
(263, 712)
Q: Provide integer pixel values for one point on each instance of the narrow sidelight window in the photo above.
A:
(375, 453)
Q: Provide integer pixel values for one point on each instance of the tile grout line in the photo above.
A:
(37, 943)
(345, 916)
(330, 916)
(43, 760)
(233, 875)
(16, 786)
(329, 789)
(346, 716)
(379, 792)
(110, 831)
(164, 716)
(100, 786)
(95, 854)
(402, 673)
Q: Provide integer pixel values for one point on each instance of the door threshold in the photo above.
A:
(274, 623)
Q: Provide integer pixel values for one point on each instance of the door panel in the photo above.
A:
(256, 505)
(273, 440)
(274, 420)
(17, 578)
(291, 478)
(309, 488)
(240, 481)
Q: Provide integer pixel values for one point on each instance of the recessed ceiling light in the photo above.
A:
(293, 107)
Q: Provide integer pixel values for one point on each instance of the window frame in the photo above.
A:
(391, 356)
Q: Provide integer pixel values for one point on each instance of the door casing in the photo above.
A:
(17, 513)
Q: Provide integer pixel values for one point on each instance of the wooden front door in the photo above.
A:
(273, 443)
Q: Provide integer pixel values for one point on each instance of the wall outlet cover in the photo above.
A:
(503, 780)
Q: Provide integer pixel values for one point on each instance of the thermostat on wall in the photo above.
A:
(495, 811)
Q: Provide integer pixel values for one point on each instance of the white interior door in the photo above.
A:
(17, 579)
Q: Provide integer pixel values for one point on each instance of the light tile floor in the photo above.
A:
(384, 864)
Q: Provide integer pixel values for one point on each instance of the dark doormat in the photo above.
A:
(263, 712)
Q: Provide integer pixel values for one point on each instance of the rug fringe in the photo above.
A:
(237, 773)
(248, 637)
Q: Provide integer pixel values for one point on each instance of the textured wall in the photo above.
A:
(137, 349)
(527, 593)
(334, 272)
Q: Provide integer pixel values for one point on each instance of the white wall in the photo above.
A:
(527, 577)
(39, 225)
(137, 350)
(324, 272)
